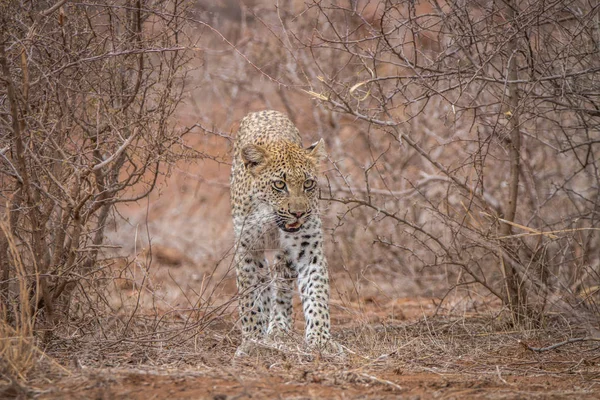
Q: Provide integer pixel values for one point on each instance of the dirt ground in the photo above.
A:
(414, 356)
(123, 384)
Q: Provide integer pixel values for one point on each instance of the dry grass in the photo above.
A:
(17, 354)
(20, 355)
(418, 356)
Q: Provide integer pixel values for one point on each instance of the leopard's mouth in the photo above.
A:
(290, 227)
(293, 227)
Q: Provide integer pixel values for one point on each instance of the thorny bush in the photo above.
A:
(87, 91)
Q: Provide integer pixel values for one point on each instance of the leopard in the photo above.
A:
(274, 205)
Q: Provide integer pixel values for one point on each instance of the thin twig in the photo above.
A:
(560, 344)
(116, 154)
(55, 7)
(382, 381)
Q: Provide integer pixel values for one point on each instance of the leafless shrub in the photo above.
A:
(87, 94)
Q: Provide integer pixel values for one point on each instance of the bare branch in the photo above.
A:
(55, 7)
(117, 153)
(560, 344)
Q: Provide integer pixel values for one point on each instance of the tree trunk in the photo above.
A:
(516, 296)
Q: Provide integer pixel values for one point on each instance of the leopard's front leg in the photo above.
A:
(253, 281)
(284, 278)
(305, 251)
(254, 294)
(313, 282)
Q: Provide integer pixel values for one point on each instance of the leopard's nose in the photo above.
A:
(298, 214)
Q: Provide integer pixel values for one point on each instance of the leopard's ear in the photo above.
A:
(254, 157)
(317, 151)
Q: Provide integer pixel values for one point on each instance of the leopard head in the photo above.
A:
(285, 177)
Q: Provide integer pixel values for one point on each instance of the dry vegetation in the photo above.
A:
(461, 197)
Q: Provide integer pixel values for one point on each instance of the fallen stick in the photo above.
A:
(382, 381)
(560, 344)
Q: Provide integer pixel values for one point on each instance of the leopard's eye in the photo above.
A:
(278, 185)
(309, 184)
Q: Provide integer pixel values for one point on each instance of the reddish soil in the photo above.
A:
(123, 384)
